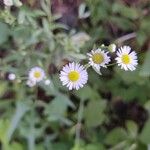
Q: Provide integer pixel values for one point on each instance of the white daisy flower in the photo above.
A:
(36, 74)
(11, 76)
(8, 2)
(47, 82)
(98, 58)
(127, 59)
(74, 76)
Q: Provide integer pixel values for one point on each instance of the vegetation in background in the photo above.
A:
(110, 113)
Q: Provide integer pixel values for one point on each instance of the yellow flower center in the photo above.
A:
(37, 74)
(73, 76)
(125, 59)
(98, 58)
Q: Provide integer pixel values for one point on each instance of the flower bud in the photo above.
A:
(47, 82)
(112, 48)
(11, 76)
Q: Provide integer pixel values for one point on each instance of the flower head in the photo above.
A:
(36, 74)
(11, 76)
(47, 82)
(98, 58)
(74, 76)
(127, 59)
(8, 2)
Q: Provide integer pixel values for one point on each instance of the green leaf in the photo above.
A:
(61, 146)
(147, 106)
(56, 110)
(94, 113)
(145, 23)
(4, 124)
(122, 23)
(145, 134)
(21, 109)
(132, 129)
(16, 146)
(4, 32)
(145, 70)
(90, 93)
(125, 11)
(141, 37)
(117, 135)
(130, 77)
(94, 147)
(22, 34)
(3, 87)
(76, 56)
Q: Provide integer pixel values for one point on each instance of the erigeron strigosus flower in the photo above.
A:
(74, 76)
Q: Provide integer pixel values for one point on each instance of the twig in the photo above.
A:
(125, 38)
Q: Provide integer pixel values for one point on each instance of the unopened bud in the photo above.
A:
(112, 48)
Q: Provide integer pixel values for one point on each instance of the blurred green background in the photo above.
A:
(110, 113)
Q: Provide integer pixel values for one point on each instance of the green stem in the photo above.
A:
(111, 64)
(87, 66)
(79, 122)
